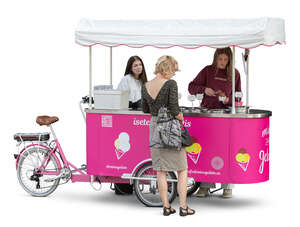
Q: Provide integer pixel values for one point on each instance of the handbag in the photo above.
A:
(185, 138)
(169, 133)
(169, 130)
(172, 129)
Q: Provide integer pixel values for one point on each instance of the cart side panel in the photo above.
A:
(249, 150)
(92, 120)
(232, 150)
(208, 159)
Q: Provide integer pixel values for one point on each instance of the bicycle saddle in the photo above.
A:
(46, 120)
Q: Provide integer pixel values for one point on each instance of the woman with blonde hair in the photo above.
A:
(163, 91)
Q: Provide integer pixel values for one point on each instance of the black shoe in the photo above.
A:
(185, 212)
(168, 211)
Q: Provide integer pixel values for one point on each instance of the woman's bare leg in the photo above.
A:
(182, 187)
(163, 187)
(182, 190)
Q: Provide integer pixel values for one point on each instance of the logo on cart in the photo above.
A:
(193, 151)
(243, 159)
(265, 132)
(122, 145)
(217, 163)
(264, 156)
(106, 121)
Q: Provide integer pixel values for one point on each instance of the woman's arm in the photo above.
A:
(145, 106)
(173, 99)
(123, 84)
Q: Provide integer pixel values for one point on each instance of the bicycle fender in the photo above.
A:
(37, 145)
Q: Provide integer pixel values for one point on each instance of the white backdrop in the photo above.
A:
(43, 73)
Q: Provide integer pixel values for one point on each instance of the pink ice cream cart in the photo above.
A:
(117, 138)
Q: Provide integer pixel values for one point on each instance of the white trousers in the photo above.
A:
(213, 185)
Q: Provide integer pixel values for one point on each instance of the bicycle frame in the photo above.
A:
(81, 177)
(66, 163)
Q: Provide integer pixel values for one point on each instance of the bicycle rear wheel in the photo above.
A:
(37, 184)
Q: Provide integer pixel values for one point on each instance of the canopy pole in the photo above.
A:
(233, 80)
(247, 53)
(110, 65)
(90, 77)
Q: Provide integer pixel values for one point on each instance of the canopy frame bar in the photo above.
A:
(110, 62)
(233, 80)
(90, 77)
(247, 53)
(233, 109)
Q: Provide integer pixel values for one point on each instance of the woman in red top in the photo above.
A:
(216, 81)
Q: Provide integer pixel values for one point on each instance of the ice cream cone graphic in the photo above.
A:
(119, 153)
(194, 157)
(244, 165)
(193, 151)
(122, 145)
(243, 159)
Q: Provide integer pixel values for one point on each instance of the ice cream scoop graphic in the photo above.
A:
(194, 139)
(122, 144)
(117, 143)
(194, 151)
(243, 159)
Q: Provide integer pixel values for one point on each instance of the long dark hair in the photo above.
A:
(128, 70)
(227, 51)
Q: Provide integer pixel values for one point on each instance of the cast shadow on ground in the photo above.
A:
(212, 201)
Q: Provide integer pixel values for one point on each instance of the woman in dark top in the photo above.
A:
(156, 93)
(215, 81)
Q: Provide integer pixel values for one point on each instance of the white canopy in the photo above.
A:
(217, 33)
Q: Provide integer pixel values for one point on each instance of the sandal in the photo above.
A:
(185, 212)
(168, 211)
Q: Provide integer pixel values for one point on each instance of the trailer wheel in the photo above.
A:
(192, 188)
(147, 190)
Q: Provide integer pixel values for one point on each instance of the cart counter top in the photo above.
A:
(252, 113)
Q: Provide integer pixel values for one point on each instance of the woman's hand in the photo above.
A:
(180, 117)
(226, 100)
(210, 92)
(220, 93)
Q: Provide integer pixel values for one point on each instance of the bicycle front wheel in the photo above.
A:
(34, 183)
